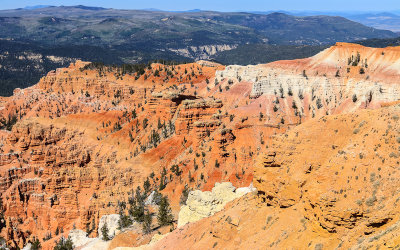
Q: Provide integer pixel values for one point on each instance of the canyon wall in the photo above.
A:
(78, 144)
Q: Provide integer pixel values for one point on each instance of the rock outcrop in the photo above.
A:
(81, 142)
(200, 205)
(79, 238)
(86, 137)
(111, 220)
(342, 78)
(202, 52)
(328, 183)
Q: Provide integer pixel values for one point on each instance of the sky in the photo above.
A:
(220, 5)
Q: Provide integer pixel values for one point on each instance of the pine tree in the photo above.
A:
(93, 224)
(184, 195)
(162, 179)
(146, 226)
(64, 244)
(157, 197)
(159, 125)
(35, 244)
(124, 220)
(146, 186)
(137, 206)
(104, 232)
(164, 216)
(2, 219)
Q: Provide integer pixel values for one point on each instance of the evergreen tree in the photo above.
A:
(162, 179)
(164, 216)
(146, 186)
(157, 197)
(64, 244)
(93, 224)
(184, 195)
(35, 244)
(137, 206)
(159, 125)
(146, 225)
(354, 98)
(124, 220)
(2, 219)
(104, 232)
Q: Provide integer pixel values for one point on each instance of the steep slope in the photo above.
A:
(342, 78)
(78, 144)
(328, 183)
(88, 135)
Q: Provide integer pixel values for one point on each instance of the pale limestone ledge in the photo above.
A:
(270, 81)
(81, 241)
(200, 205)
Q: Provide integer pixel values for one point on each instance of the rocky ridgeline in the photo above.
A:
(340, 79)
(85, 138)
(203, 52)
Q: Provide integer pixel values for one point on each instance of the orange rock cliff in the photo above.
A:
(317, 137)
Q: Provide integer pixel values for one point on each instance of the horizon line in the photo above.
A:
(33, 7)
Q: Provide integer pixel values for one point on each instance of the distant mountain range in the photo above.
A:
(49, 36)
(36, 7)
(384, 20)
(176, 30)
(388, 20)
(379, 20)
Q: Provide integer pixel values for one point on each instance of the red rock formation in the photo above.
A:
(330, 183)
(86, 137)
(82, 144)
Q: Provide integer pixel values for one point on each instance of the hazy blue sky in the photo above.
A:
(220, 5)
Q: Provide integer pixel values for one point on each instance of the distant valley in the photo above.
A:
(37, 39)
(148, 129)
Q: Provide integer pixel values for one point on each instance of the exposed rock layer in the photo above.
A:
(200, 205)
(330, 183)
(85, 138)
